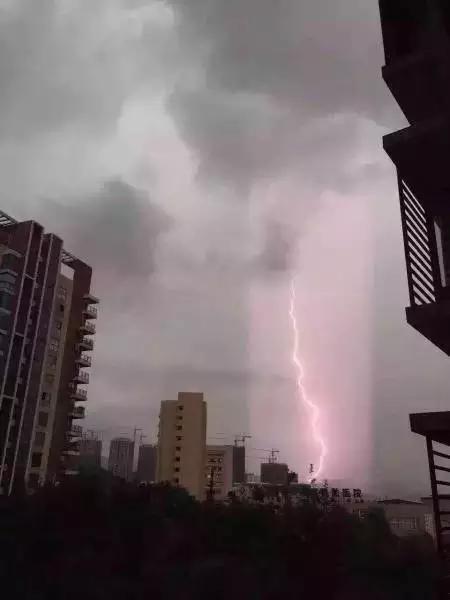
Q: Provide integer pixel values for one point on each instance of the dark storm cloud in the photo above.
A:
(278, 247)
(307, 54)
(116, 228)
(273, 71)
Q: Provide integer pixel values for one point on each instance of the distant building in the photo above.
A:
(182, 443)
(46, 318)
(404, 517)
(91, 453)
(274, 473)
(219, 471)
(146, 468)
(121, 456)
(252, 478)
(238, 464)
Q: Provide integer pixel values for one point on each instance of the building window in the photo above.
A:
(43, 419)
(49, 378)
(54, 345)
(61, 308)
(179, 428)
(177, 469)
(179, 438)
(36, 459)
(45, 399)
(178, 448)
(177, 459)
(39, 439)
(180, 407)
(58, 325)
(62, 292)
(179, 418)
(176, 480)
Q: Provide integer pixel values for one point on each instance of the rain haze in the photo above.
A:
(199, 154)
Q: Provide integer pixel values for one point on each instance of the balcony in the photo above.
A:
(76, 431)
(90, 312)
(77, 412)
(70, 471)
(81, 377)
(86, 344)
(91, 299)
(72, 449)
(77, 394)
(84, 360)
(87, 328)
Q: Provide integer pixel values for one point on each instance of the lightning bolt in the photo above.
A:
(313, 409)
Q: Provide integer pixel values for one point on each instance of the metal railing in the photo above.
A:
(418, 248)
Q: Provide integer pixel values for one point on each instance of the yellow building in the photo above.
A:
(182, 443)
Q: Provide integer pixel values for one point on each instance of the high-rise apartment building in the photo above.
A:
(46, 313)
(121, 457)
(182, 443)
(219, 471)
(146, 467)
(239, 464)
(91, 452)
(274, 473)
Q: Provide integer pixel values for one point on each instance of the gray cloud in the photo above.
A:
(116, 228)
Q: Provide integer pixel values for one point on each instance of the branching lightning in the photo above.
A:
(313, 409)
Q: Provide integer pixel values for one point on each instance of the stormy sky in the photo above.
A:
(199, 153)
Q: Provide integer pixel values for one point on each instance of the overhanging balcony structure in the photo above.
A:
(416, 36)
(78, 394)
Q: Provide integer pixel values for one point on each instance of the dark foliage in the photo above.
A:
(95, 538)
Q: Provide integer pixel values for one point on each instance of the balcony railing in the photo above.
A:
(91, 299)
(84, 360)
(81, 377)
(88, 328)
(72, 449)
(86, 344)
(77, 412)
(76, 431)
(78, 394)
(90, 312)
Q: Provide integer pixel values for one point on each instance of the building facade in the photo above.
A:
(45, 308)
(239, 464)
(182, 443)
(218, 471)
(146, 467)
(274, 473)
(91, 453)
(121, 457)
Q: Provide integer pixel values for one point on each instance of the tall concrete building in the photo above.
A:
(46, 317)
(274, 473)
(121, 457)
(219, 471)
(146, 467)
(182, 443)
(238, 464)
(91, 452)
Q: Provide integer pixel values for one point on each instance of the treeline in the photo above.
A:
(95, 538)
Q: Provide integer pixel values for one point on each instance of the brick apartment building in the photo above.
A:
(46, 329)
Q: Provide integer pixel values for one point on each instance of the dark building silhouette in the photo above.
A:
(416, 35)
(45, 313)
(274, 473)
(91, 453)
(121, 457)
(146, 467)
(238, 464)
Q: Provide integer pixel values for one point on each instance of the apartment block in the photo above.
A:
(182, 443)
(146, 467)
(121, 458)
(219, 471)
(91, 452)
(46, 318)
